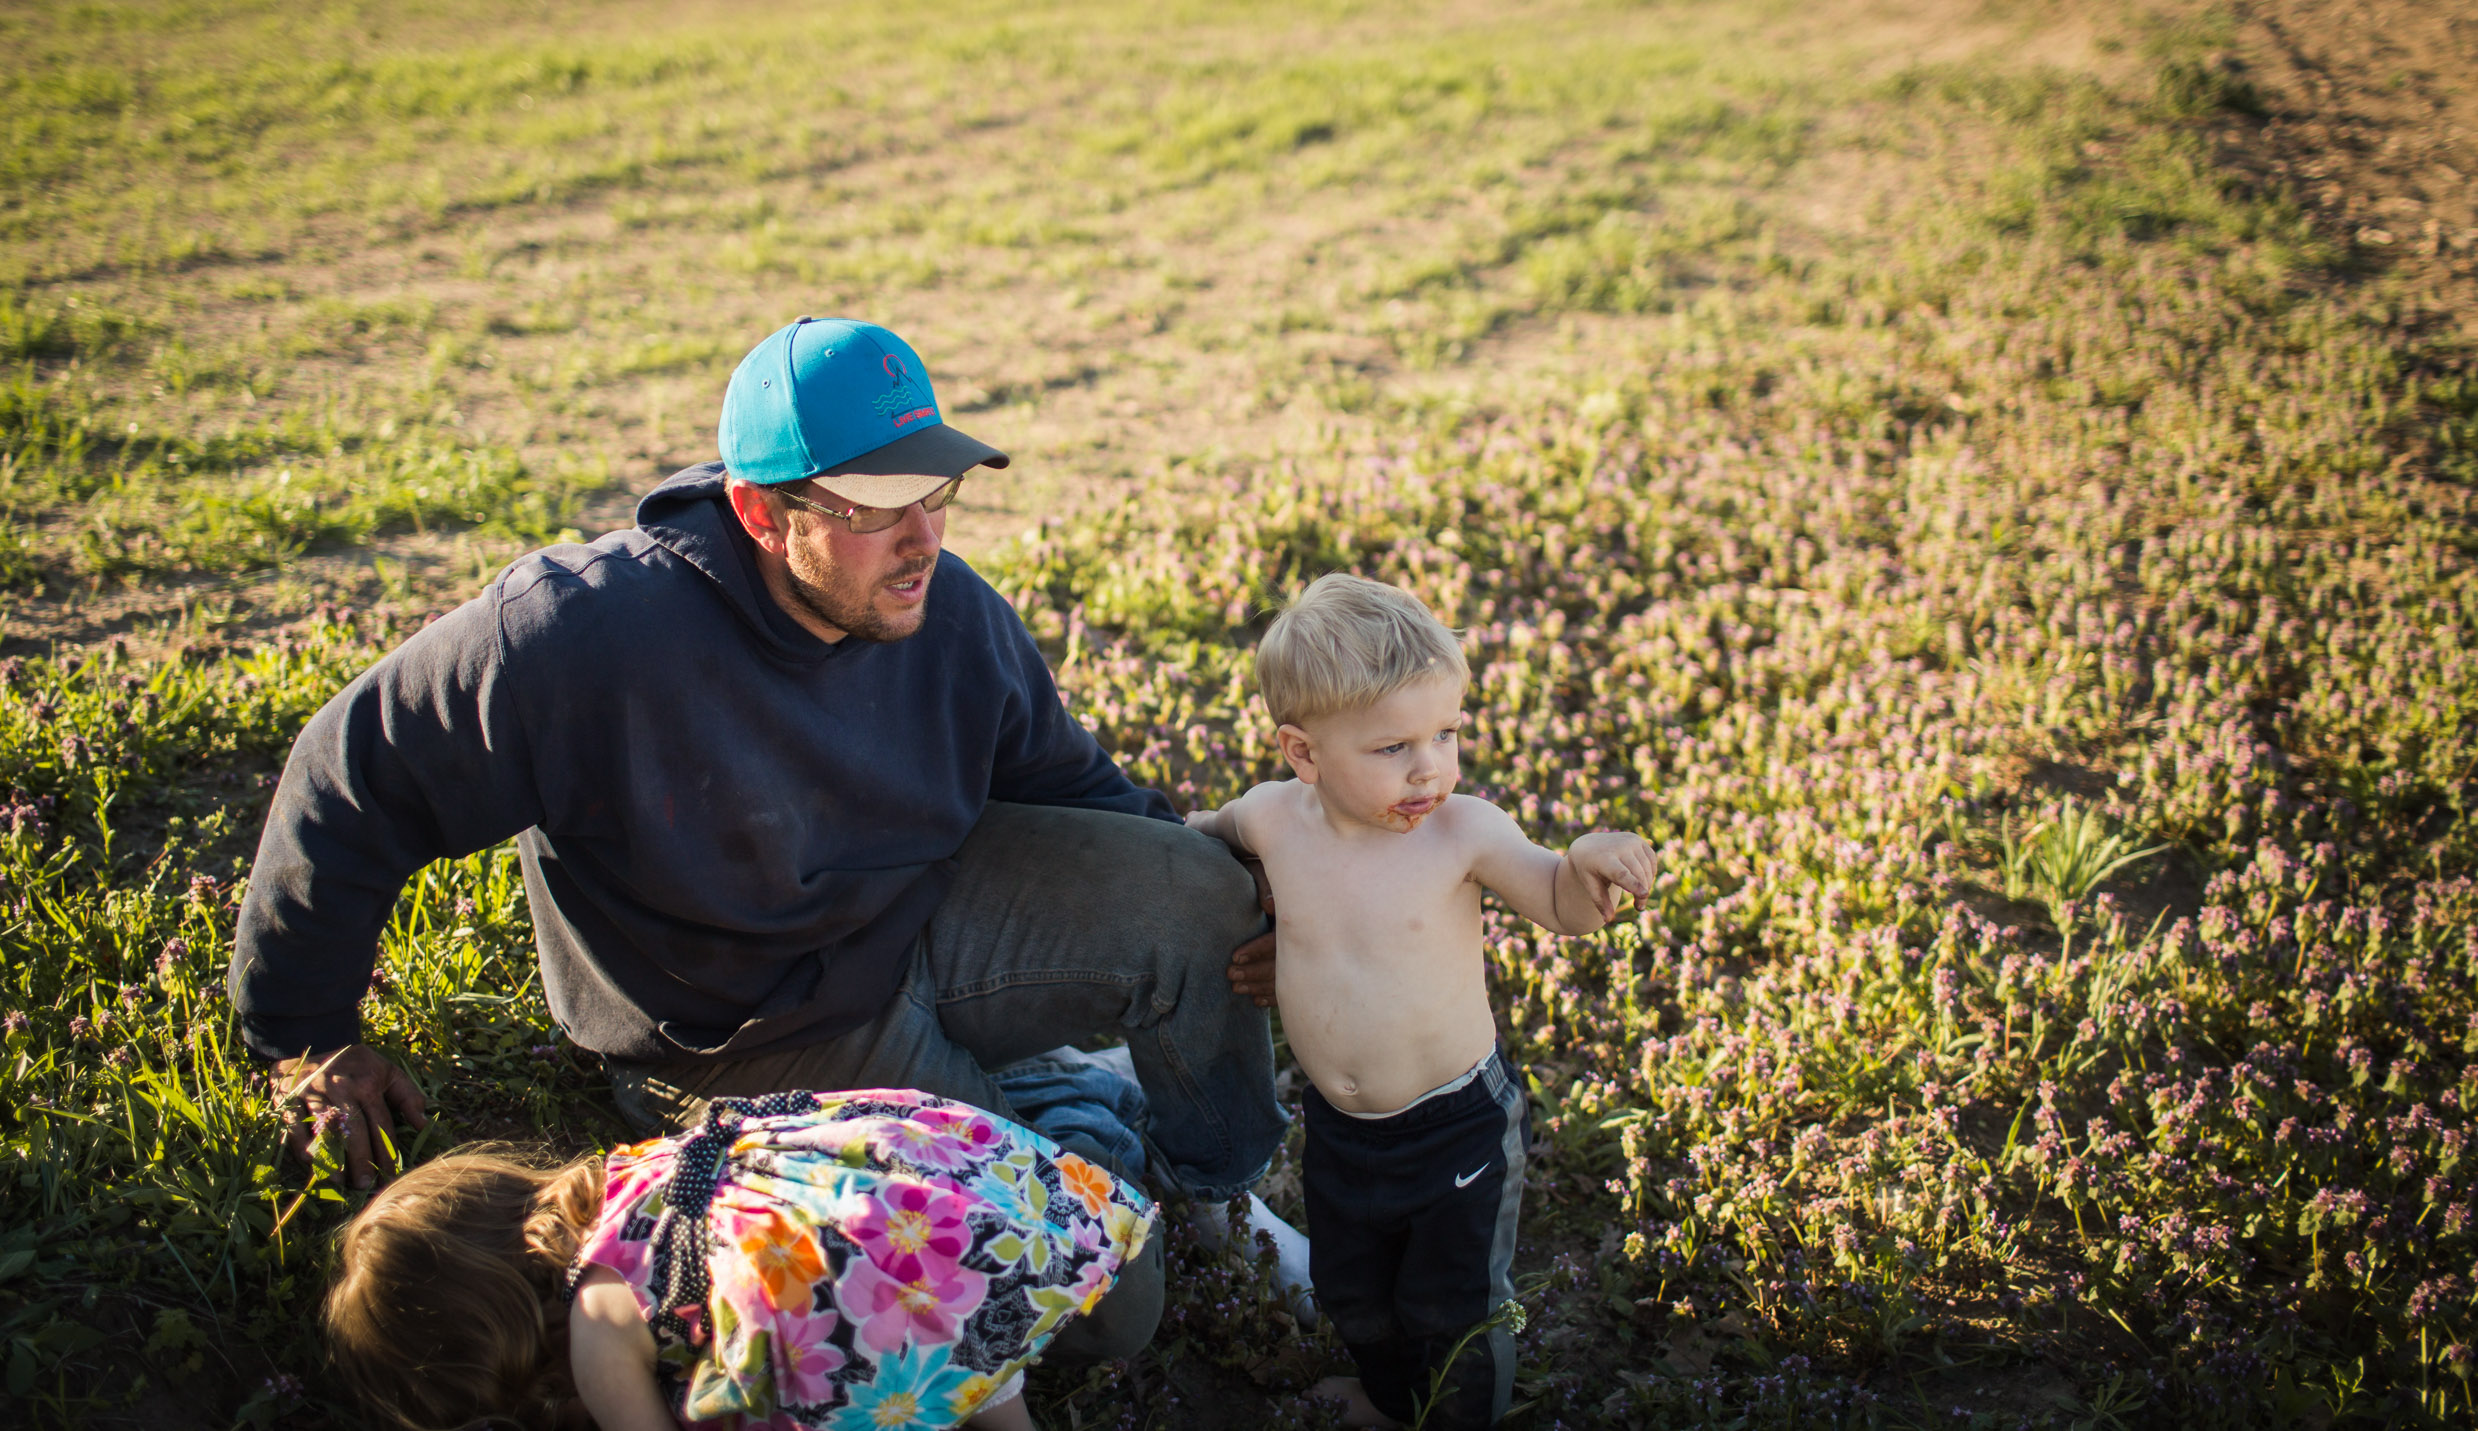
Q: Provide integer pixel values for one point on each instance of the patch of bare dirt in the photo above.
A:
(2370, 116)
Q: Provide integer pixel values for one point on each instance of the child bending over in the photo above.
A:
(1416, 1126)
(867, 1259)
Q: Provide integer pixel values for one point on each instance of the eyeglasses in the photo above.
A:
(864, 520)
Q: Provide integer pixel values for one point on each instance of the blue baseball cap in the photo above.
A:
(834, 397)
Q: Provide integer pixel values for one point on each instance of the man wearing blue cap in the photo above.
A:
(796, 802)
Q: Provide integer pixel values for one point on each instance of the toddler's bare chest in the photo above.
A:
(1408, 863)
(1345, 897)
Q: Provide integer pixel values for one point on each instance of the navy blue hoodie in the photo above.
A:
(731, 830)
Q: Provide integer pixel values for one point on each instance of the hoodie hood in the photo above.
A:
(689, 516)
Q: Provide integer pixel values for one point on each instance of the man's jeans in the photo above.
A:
(1061, 924)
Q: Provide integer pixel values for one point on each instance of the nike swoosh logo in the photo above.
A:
(1464, 1180)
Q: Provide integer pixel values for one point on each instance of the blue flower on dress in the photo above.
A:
(918, 1386)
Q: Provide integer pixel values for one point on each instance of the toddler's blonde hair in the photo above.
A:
(450, 1301)
(1346, 643)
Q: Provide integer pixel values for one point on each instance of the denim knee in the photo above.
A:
(1215, 894)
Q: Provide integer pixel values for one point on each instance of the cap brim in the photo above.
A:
(916, 463)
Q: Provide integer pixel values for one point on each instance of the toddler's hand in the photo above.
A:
(1611, 859)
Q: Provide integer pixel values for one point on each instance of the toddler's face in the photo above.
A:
(1391, 764)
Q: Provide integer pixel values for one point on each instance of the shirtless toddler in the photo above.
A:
(1416, 1127)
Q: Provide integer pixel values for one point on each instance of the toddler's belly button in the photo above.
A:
(1349, 1087)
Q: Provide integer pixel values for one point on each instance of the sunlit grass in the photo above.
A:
(520, 232)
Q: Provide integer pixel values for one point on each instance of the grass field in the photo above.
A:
(2020, 577)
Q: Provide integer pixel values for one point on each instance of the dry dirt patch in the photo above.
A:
(2370, 116)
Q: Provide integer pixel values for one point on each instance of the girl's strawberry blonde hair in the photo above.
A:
(450, 1305)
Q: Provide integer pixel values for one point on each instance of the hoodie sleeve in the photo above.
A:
(1044, 756)
(421, 758)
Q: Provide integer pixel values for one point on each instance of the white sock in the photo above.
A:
(1119, 1059)
(1290, 1269)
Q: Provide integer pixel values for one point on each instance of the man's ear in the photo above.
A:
(1297, 750)
(760, 515)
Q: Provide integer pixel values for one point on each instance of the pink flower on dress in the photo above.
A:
(804, 1362)
(626, 1181)
(903, 1219)
(908, 1298)
(1092, 1280)
(919, 1143)
(967, 1126)
(621, 1255)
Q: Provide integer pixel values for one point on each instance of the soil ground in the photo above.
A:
(2370, 118)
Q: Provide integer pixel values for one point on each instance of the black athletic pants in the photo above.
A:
(1411, 1222)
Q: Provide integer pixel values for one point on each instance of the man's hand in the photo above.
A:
(352, 1091)
(1251, 964)
(1251, 970)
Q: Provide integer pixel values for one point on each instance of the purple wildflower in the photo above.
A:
(2432, 1297)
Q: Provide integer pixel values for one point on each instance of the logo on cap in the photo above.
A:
(899, 401)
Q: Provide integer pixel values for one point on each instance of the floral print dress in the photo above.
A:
(856, 1260)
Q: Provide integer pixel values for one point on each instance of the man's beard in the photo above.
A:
(827, 594)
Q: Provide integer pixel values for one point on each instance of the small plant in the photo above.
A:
(1510, 1315)
(2061, 859)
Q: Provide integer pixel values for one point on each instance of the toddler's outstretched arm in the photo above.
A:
(1570, 894)
(611, 1356)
